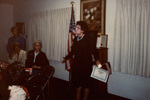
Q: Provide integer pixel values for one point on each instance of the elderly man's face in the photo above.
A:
(37, 46)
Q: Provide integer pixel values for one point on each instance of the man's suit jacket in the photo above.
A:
(41, 59)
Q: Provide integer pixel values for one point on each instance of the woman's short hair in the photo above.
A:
(83, 25)
(14, 28)
(37, 41)
(15, 74)
(16, 44)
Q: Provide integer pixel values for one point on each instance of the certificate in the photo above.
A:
(99, 74)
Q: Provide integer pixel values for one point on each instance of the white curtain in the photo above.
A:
(51, 27)
(131, 39)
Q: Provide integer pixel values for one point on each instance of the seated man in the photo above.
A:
(18, 55)
(36, 59)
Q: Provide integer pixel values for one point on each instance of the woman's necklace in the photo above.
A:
(78, 39)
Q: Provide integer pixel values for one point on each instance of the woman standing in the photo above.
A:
(81, 68)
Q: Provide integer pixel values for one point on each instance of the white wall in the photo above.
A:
(6, 22)
(21, 12)
(129, 86)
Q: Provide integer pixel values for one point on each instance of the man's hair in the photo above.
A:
(15, 74)
(14, 28)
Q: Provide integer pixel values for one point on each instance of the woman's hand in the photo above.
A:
(64, 60)
(97, 62)
(12, 55)
(36, 67)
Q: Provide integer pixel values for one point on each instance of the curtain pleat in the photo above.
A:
(131, 37)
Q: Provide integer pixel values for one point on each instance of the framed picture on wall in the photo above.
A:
(21, 27)
(93, 13)
(103, 41)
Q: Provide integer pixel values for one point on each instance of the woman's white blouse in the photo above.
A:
(17, 93)
(21, 58)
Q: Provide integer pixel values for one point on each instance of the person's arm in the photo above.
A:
(67, 57)
(94, 52)
(46, 61)
(96, 56)
(12, 58)
(71, 53)
(12, 55)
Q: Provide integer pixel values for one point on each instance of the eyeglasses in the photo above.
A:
(78, 27)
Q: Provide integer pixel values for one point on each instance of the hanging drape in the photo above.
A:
(131, 38)
(51, 27)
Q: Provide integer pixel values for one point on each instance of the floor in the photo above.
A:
(60, 90)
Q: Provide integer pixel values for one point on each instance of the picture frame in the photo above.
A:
(103, 41)
(99, 74)
(21, 27)
(93, 13)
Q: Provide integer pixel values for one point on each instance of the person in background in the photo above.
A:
(81, 67)
(15, 75)
(15, 38)
(36, 59)
(17, 55)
